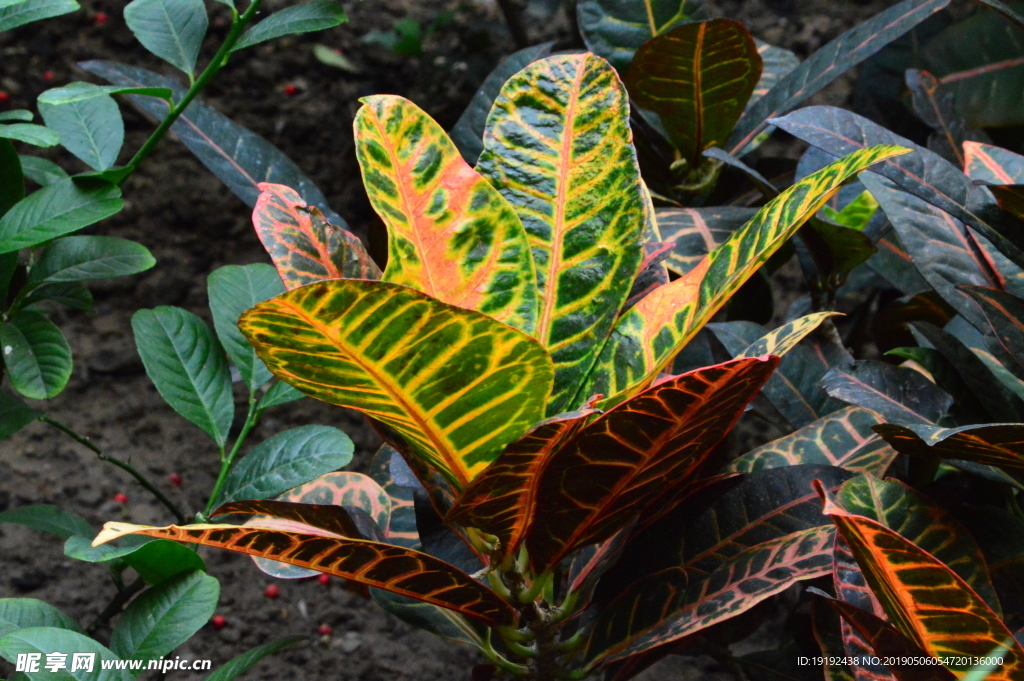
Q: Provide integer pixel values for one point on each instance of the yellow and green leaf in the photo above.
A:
(450, 233)
(303, 245)
(646, 338)
(558, 146)
(392, 568)
(456, 384)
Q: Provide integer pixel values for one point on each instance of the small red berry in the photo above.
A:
(325, 630)
(291, 89)
(324, 579)
(100, 18)
(174, 479)
(48, 76)
(121, 498)
(272, 591)
(4, 96)
(218, 622)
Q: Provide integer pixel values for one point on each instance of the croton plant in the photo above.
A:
(548, 492)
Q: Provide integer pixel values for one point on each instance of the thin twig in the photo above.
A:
(116, 605)
(81, 439)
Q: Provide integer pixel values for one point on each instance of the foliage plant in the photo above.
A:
(512, 354)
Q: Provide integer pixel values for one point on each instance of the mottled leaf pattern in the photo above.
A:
(852, 589)
(392, 568)
(698, 231)
(455, 383)
(450, 234)
(843, 439)
(998, 444)
(304, 246)
(697, 78)
(652, 332)
(636, 452)
(557, 146)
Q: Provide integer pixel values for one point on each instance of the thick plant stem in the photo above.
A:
(124, 465)
(216, 64)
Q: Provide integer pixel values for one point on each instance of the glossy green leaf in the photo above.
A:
(81, 548)
(48, 518)
(315, 15)
(45, 640)
(55, 210)
(188, 367)
(992, 164)
(565, 163)
(451, 234)
(157, 561)
(240, 158)
(632, 455)
(237, 666)
(24, 613)
(81, 91)
(82, 258)
(287, 460)
(843, 439)
(934, 105)
(171, 29)
(998, 444)
(165, 616)
(23, 12)
(615, 29)
(30, 133)
(898, 394)
(74, 295)
(304, 246)
(697, 78)
(277, 394)
(647, 337)
(458, 385)
(23, 115)
(698, 231)
(42, 171)
(14, 414)
(402, 571)
(90, 128)
(36, 354)
(828, 63)
(232, 290)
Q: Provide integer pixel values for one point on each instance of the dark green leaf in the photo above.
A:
(233, 290)
(315, 15)
(74, 295)
(171, 29)
(12, 190)
(42, 171)
(239, 157)
(998, 444)
(777, 64)
(55, 210)
(158, 561)
(23, 613)
(165, 616)
(279, 393)
(697, 231)
(188, 366)
(247, 660)
(287, 460)
(25, 11)
(437, 621)
(47, 518)
(14, 414)
(30, 133)
(615, 29)
(1004, 315)
(899, 395)
(37, 356)
(23, 115)
(933, 104)
(80, 91)
(82, 258)
(89, 127)
(828, 63)
(81, 548)
(45, 640)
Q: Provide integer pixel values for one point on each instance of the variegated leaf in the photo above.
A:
(783, 339)
(450, 234)
(698, 231)
(993, 164)
(928, 602)
(852, 588)
(456, 384)
(997, 444)
(615, 29)
(402, 525)
(304, 246)
(391, 568)
(647, 337)
(843, 439)
(558, 147)
(633, 454)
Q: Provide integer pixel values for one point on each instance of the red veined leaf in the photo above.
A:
(852, 588)
(1000, 444)
(698, 231)
(451, 234)
(1004, 314)
(303, 245)
(843, 438)
(825, 625)
(934, 106)
(827, 64)
(402, 526)
(778, 62)
(886, 640)
(673, 603)
(501, 501)
(339, 521)
(591, 563)
(898, 394)
(391, 568)
(992, 164)
(697, 78)
(636, 452)
(929, 603)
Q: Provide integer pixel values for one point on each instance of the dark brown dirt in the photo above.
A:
(194, 225)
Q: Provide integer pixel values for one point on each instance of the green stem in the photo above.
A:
(495, 658)
(216, 64)
(124, 465)
(226, 461)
